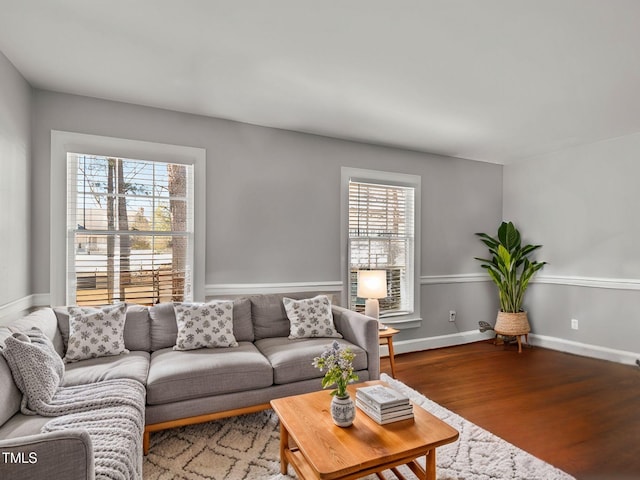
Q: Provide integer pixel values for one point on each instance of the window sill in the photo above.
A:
(402, 323)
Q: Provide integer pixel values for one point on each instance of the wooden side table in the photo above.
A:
(386, 336)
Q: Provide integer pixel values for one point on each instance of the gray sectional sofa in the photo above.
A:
(180, 387)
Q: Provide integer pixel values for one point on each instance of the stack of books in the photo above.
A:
(383, 404)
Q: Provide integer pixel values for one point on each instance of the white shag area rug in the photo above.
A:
(247, 447)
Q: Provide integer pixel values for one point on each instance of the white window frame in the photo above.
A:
(411, 320)
(70, 142)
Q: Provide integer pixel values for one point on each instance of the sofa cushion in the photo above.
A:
(137, 334)
(269, 316)
(242, 323)
(310, 317)
(22, 425)
(164, 328)
(135, 366)
(204, 325)
(182, 375)
(96, 332)
(46, 320)
(292, 359)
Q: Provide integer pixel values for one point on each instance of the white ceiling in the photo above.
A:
(490, 80)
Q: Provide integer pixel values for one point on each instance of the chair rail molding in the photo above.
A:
(454, 278)
(218, 289)
(12, 310)
(592, 282)
(568, 280)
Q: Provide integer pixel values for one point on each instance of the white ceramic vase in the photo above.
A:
(343, 411)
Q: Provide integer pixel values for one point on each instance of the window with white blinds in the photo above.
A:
(381, 237)
(129, 230)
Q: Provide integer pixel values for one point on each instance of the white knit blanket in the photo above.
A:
(111, 411)
(114, 419)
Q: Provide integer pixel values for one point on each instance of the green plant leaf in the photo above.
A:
(504, 258)
(527, 249)
(509, 236)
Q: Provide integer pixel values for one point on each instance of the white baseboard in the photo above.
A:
(584, 349)
(419, 344)
(552, 343)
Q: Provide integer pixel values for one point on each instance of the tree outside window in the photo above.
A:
(130, 227)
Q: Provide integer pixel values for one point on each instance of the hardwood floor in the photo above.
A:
(582, 415)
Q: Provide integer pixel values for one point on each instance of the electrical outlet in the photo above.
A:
(452, 315)
(574, 324)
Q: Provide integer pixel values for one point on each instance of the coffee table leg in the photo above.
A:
(429, 472)
(430, 464)
(284, 445)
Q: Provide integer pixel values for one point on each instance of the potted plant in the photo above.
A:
(337, 360)
(511, 270)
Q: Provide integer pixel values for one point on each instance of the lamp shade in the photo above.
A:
(372, 284)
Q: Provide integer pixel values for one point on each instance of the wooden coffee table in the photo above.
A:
(317, 448)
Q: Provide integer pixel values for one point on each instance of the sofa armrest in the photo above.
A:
(64, 455)
(361, 331)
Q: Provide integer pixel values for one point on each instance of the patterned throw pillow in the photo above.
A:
(96, 332)
(204, 325)
(310, 317)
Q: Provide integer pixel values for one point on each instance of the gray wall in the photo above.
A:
(273, 201)
(581, 204)
(15, 184)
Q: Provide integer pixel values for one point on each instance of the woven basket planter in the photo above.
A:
(512, 323)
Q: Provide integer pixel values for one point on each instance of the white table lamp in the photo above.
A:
(372, 285)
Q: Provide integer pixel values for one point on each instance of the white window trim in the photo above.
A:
(64, 142)
(412, 320)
